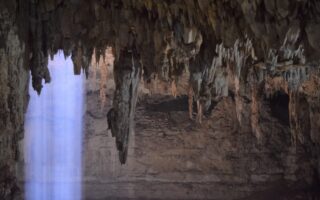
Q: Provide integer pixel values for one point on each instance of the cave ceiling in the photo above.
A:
(251, 48)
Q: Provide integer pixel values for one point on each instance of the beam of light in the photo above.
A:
(53, 136)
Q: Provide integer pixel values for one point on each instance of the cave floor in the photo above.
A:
(172, 157)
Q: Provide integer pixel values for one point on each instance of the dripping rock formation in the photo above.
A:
(224, 93)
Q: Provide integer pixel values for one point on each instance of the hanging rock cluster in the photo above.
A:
(127, 74)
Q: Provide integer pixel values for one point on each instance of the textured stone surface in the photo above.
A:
(14, 80)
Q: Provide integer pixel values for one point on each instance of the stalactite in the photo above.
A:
(94, 66)
(103, 80)
(127, 74)
(77, 59)
(174, 88)
(39, 59)
(255, 115)
(226, 64)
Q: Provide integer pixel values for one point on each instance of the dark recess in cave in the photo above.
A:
(170, 105)
(279, 104)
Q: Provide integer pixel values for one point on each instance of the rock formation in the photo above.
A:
(127, 74)
(256, 52)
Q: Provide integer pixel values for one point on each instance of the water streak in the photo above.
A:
(53, 136)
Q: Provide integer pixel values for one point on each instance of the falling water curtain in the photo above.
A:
(53, 135)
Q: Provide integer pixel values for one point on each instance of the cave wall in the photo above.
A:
(14, 79)
(173, 157)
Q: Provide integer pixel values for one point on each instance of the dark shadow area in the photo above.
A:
(279, 105)
(304, 117)
(209, 107)
(170, 105)
(311, 193)
(283, 192)
(179, 104)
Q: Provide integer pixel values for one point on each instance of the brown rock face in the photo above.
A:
(14, 80)
(257, 61)
(127, 76)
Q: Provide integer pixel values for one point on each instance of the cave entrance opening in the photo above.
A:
(53, 135)
(279, 104)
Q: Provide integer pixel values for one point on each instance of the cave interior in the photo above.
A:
(179, 99)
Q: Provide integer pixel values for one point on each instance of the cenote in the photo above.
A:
(159, 100)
